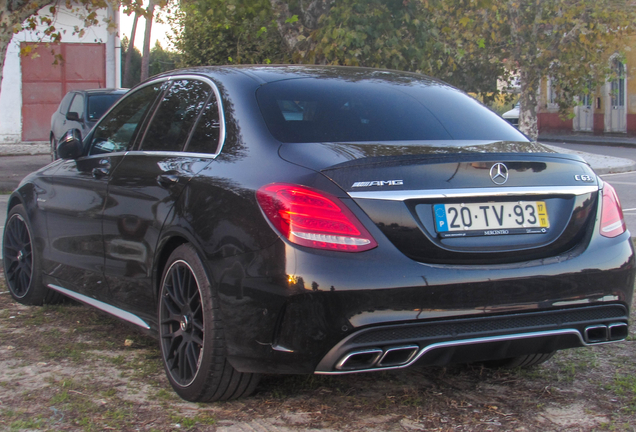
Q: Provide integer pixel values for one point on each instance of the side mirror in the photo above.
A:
(73, 116)
(70, 145)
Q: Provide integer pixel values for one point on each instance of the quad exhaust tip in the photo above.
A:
(606, 333)
(377, 358)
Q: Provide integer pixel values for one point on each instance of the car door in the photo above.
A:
(143, 190)
(78, 198)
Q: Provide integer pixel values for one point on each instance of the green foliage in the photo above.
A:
(212, 32)
(373, 33)
(162, 60)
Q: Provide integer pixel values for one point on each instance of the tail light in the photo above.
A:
(612, 222)
(311, 218)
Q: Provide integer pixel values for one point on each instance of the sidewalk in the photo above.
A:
(588, 138)
(25, 148)
(600, 164)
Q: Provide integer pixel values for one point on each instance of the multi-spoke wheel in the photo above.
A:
(21, 261)
(191, 337)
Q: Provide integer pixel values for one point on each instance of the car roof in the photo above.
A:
(271, 73)
(101, 91)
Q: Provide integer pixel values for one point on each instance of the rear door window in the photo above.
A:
(177, 113)
(206, 135)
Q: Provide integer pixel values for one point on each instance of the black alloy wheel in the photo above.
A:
(21, 262)
(192, 343)
(18, 256)
(182, 323)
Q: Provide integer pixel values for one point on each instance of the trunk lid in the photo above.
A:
(496, 197)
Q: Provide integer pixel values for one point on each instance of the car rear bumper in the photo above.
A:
(321, 309)
(475, 339)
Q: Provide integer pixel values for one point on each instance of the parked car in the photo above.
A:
(80, 109)
(321, 220)
(512, 116)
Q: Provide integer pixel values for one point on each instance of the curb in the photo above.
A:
(615, 170)
(576, 139)
(25, 149)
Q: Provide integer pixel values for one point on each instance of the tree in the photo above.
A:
(569, 41)
(162, 60)
(17, 15)
(393, 34)
(131, 62)
(297, 20)
(145, 56)
(373, 33)
(227, 31)
(129, 48)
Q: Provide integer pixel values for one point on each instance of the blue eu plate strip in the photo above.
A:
(440, 217)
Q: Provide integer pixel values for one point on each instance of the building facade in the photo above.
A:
(611, 109)
(33, 85)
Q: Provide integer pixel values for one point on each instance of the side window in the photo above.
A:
(77, 105)
(117, 130)
(205, 138)
(177, 113)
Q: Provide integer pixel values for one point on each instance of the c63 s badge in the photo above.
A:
(378, 183)
(584, 178)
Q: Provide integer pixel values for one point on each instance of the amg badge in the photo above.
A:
(378, 183)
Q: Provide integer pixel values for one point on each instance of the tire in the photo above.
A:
(191, 334)
(524, 361)
(53, 149)
(22, 266)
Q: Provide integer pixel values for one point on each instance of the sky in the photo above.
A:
(158, 31)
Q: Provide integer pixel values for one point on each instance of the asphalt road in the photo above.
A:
(14, 168)
(624, 183)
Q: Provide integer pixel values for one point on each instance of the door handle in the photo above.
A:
(100, 172)
(167, 180)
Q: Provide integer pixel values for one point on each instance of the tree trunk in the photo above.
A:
(145, 58)
(295, 33)
(129, 52)
(528, 103)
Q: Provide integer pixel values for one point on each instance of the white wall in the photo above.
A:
(11, 92)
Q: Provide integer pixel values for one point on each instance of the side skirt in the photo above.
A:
(119, 313)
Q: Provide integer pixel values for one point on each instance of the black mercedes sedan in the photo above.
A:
(299, 220)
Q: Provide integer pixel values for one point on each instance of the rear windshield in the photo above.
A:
(329, 110)
(99, 104)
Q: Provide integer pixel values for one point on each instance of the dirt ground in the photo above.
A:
(70, 368)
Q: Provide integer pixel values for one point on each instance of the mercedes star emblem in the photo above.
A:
(499, 173)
